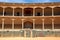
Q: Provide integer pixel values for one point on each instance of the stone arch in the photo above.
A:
(1, 11)
(8, 11)
(28, 12)
(57, 11)
(18, 11)
(28, 25)
(38, 11)
(48, 11)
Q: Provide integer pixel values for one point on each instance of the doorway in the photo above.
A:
(28, 25)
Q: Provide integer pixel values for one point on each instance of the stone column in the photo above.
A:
(52, 12)
(13, 26)
(13, 23)
(3, 11)
(43, 11)
(33, 12)
(33, 23)
(22, 23)
(22, 12)
(13, 11)
(24, 33)
(2, 27)
(2, 24)
(31, 34)
(52, 24)
(43, 24)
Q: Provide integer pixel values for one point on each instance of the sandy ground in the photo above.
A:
(22, 38)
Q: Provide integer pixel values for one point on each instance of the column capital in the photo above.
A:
(22, 19)
(4, 7)
(52, 19)
(3, 19)
(43, 19)
(33, 19)
(53, 6)
(34, 7)
(22, 7)
(13, 7)
(12, 19)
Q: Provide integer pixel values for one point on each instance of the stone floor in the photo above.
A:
(21, 38)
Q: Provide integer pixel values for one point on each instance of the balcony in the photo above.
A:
(12, 33)
(48, 14)
(17, 26)
(27, 33)
(18, 14)
(57, 26)
(28, 14)
(48, 26)
(38, 26)
(8, 14)
(7, 26)
(1, 14)
(56, 14)
(0, 26)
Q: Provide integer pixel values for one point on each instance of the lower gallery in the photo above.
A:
(30, 21)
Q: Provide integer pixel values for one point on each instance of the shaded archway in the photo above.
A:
(57, 11)
(38, 11)
(8, 11)
(28, 12)
(18, 12)
(38, 23)
(17, 23)
(48, 11)
(0, 23)
(7, 23)
(57, 23)
(28, 25)
(1, 11)
(48, 23)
